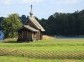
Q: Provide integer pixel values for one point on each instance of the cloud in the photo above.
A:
(9, 2)
(59, 2)
(68, 2)
(5, 2)
(31, 1)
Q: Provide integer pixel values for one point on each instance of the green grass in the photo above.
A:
(24, 59)
(50, 50)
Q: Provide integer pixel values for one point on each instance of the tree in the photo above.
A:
(68, 24)
(23, 19)
(11, 25)
(1, 19)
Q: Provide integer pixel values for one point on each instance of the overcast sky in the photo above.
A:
(41, 8)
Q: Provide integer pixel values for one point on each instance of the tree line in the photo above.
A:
(67, 24)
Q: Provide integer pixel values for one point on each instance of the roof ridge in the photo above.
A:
(36, 23)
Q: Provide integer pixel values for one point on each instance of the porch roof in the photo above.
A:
(30, 28)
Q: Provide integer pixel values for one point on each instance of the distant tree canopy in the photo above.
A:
(11, 25)
(1, 19)
(68, 24)
(23, 19)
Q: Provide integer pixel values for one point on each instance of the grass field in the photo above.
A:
(47, 50)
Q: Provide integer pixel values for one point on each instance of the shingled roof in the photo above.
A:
(36, 23)
(30, 28)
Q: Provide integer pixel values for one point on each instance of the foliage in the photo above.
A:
(69, 24)
(23, 19)
(11, 25)
(1, 19)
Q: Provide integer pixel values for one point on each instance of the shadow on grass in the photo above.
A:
(15, 41)
(10, 41)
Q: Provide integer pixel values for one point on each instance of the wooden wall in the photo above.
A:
(26, 35)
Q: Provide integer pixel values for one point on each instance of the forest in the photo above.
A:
(66, 24)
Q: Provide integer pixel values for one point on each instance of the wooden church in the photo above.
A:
(31, 31)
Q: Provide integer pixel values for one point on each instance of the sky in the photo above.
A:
(41, 8)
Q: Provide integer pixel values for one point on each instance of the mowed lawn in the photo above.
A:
(47, 50)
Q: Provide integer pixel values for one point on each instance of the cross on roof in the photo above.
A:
(31, 8)
(31, 13)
